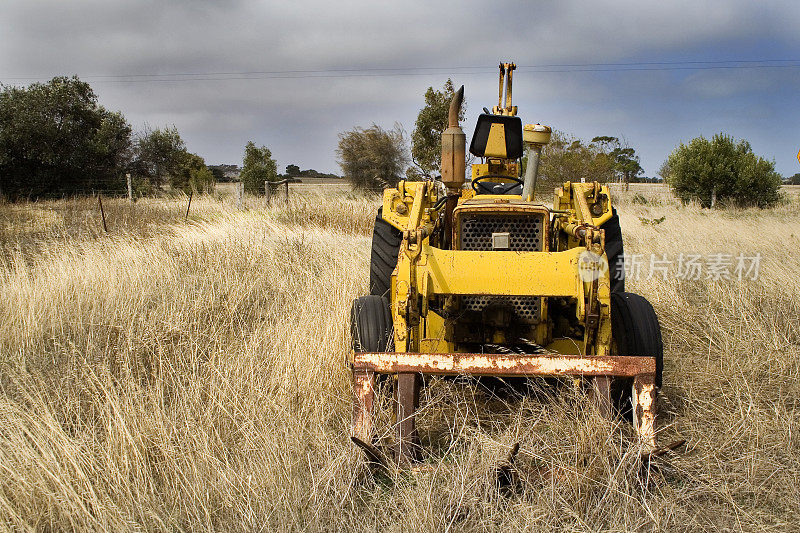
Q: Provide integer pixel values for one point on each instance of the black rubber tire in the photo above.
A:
(386, 241)
(371, 326)
(635, 329)
(614, 252)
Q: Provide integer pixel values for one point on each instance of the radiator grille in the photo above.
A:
(526, 232)
(526, 235)
(527, 308)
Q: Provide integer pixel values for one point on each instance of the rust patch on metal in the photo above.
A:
(407, 447)
(639, 411)
(504, 365)
(363, 403)
(644, 402)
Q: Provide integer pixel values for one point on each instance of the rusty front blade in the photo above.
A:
(505, 472)
(374, 456)
(503, 365)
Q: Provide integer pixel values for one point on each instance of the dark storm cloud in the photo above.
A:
(300, 118)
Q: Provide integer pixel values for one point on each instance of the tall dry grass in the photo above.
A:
(191, 376)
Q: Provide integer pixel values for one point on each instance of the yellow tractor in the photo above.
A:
(484, 280)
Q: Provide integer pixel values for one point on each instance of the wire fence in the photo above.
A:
(102, 210)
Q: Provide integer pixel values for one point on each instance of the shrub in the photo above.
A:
(568, 158)
(722, 169)
(257, 167)
(373, 158)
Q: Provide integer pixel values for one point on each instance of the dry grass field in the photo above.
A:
(190, 375)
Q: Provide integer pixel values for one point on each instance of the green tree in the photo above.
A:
(426, 139)
(55, 139)
(223, 172)
(664, 171)
(292, 170)
(258, 167)
(625, 161)
(160, 155)
(568, 158)
(162, 159)
(372, 158)
(794, 180)
(217, 172)
(722, 169)
(192, 174)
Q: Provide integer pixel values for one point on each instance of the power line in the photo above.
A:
(744, 62)
(426, 71)
(637, 63)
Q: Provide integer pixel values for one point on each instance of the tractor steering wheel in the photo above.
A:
(476, 182)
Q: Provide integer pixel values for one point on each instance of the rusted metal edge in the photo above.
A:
(503, 365)
(374, 455)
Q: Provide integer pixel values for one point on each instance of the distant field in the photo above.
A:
(662, 192)
(190, 375)
(306, 183)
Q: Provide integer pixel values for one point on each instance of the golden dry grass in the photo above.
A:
(191, 376)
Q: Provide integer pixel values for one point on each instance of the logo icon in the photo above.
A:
(591, 266)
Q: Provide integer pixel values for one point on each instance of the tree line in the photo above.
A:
(56, 140)
(707, 171)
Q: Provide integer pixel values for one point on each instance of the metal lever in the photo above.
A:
(506, 76)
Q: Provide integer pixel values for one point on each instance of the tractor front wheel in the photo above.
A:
(371, 324)
(386, 241)
(636, 332)
(615, 252)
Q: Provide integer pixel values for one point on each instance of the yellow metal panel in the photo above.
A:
(480, 169)
(495, 166)
(602, 219)
(391, 201)
(496, 143)
(433, 340)
(566, 346)
(399, 204)
(501, 272)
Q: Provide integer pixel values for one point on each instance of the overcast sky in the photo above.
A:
(221, 70)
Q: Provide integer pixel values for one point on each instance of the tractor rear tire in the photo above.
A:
(371, 326)
(614, 252)
(386, 241)
(635, 329)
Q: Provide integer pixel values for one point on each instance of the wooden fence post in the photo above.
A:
(191, 193)
(130, 188)
(239, 194)
(286, 182)
(102, 212)
(267, 190)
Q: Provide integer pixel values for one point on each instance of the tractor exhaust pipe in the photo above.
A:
(455, 108)
(534, 136)
(531, 172)
(454, 147)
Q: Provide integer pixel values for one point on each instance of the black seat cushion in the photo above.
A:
(513, 131)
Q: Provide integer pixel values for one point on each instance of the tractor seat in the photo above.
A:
(497, 136)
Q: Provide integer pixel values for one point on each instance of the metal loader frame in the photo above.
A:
(408, 367)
